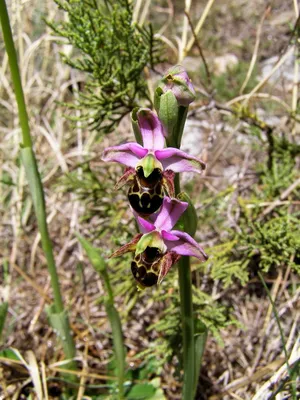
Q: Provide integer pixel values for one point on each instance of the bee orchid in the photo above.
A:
(151, 167)
(158, 247)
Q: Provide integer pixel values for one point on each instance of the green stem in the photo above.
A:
(117, 333)
(36, 189)
(33, 175)
(186, 308)
(14, 69)
(100, 266)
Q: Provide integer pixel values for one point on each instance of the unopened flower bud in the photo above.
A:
(171, 100)
(177, 80)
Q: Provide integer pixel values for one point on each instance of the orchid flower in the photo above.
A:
(150, 166)
(158, 247)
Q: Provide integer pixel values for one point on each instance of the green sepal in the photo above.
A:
(157, 95)
(135, 126)
(189, 219)
(168, 113)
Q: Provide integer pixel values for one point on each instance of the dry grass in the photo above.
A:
(252, 353)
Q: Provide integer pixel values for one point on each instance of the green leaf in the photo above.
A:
(93, 254)
(3, 314)
(61, 326)
(11, 354)
(117, 334)
(141, 391)
(35, 185)
(99, 264)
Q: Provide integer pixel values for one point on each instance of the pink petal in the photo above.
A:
(179, 161)
(169, 214)
(169, 236)
(186, 246)
(151, 129)
(145, 226)
(128, 154)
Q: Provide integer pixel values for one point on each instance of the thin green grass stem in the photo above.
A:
(100, 266)
(34, 180)
(15, 73)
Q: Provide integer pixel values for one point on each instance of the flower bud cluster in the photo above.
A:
(149, 175)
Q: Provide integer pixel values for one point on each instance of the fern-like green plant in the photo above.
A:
(113, 52)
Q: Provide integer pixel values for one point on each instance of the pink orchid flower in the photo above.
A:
(149, 166)
(158, 247)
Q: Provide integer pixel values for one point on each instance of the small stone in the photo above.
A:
(224, 63)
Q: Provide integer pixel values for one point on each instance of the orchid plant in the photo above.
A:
(152, 176)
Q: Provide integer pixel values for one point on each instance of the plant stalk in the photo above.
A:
(186, 308)
(100, 266)
(33, 176)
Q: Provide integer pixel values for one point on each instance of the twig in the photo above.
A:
(268, 76)
(224, 146)
(182, 43)
(144, 12)
(255, 51)
(199, 25)
(262, 96)
(197, 43)
(296, 73)
(32, 283)
(283, 196)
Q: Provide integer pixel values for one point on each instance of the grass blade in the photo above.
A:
(100, 266)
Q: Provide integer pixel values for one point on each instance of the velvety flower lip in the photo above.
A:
(176, 241)
(152, 152)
